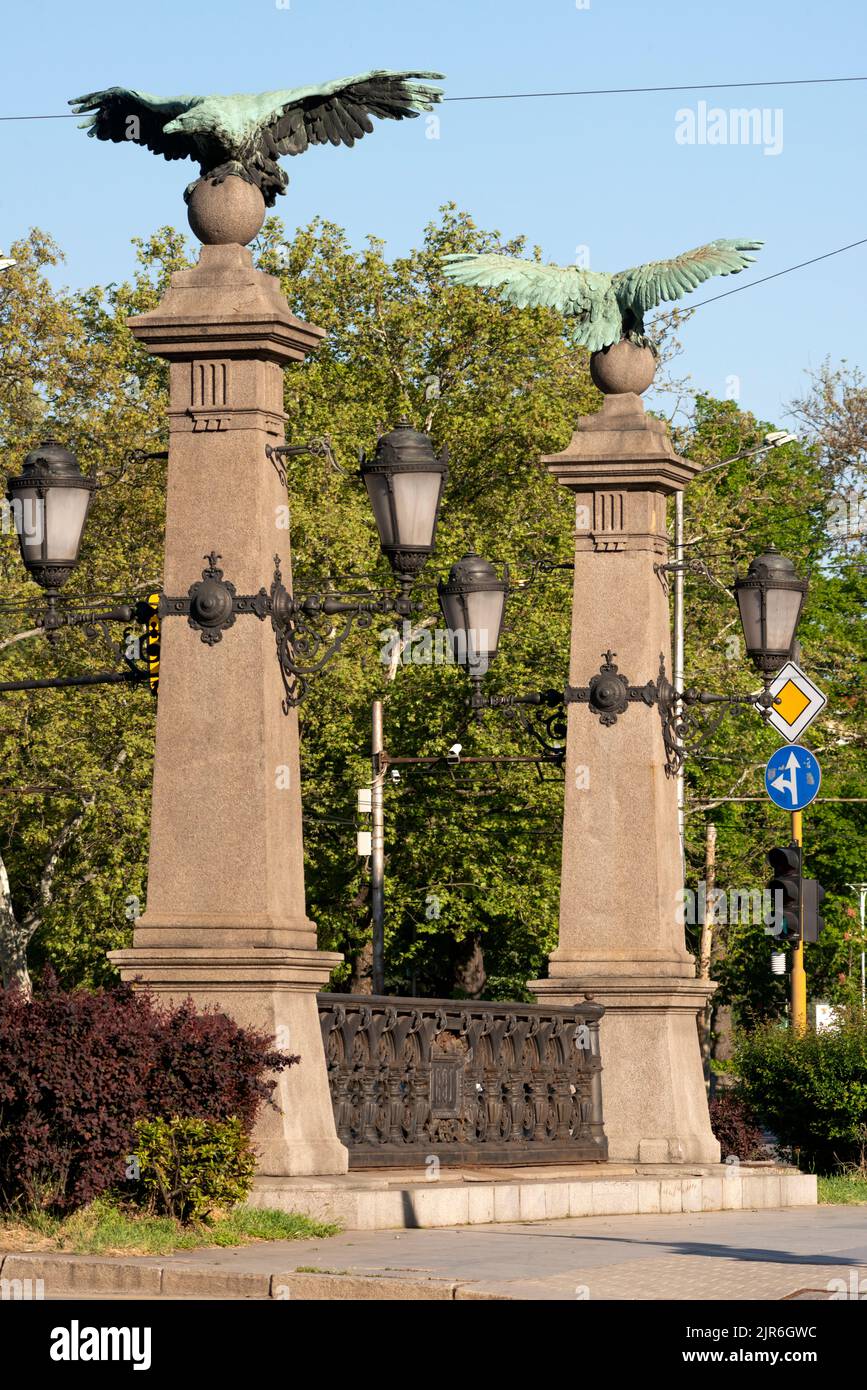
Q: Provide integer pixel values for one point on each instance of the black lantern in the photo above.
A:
(404, 481)
(473, 602)
(50, 502)
(770, 598)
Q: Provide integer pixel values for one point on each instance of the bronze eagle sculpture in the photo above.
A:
(604, 307)
(246, 135)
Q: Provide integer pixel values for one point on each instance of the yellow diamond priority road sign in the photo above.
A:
(797, 702)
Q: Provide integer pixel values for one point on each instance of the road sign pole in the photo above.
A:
(799, 975)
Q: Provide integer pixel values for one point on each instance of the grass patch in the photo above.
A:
(841, 1188)
(109, 1228)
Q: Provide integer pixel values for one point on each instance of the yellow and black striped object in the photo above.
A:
(152, 642)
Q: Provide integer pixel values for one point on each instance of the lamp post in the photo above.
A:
(226, 921)
(774, 439)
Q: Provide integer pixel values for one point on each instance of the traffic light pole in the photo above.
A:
(799, 975)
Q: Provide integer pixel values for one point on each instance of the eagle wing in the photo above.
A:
(120, 114)
(527, 284)
(339, 112)
(645, 286)
(583, 296)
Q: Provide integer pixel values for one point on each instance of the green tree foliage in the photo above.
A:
(472, 854)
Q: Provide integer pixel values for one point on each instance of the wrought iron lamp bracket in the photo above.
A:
(94, 623)
(309, 631)
(700, 568)
(609, 694)
(319, 448)
(539, 713)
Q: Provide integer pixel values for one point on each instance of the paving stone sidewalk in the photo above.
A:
(691, 1256)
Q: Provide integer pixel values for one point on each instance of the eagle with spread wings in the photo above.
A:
(247, 135)
(604, 307)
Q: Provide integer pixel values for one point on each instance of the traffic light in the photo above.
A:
(812, 894)
(785, 915)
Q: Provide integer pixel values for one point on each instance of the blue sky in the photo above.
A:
(605, 172)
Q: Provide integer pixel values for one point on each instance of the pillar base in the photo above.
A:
(654, 1101)
(273, 991)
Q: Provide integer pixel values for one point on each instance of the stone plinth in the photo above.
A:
(226, 920)
(465, 1197)
(620, 939)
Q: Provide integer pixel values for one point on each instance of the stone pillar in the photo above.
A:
(620, 938)
(226, 920)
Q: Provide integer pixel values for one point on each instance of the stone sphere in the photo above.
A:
(227, 212)
(622, 367)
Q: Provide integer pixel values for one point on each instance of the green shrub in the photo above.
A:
(809, 1090)
(189, 1167)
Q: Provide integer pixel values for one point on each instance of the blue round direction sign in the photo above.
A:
(792, 777)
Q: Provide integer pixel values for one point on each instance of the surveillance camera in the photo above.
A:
(453, 756)
(395, 774)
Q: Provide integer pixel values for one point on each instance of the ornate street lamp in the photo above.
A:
(405, 481)
(473, 602)
(770, 598)
(50, 502)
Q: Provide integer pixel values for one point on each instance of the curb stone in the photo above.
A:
(82, 1275)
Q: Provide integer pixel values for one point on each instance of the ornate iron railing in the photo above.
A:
(467, 1082)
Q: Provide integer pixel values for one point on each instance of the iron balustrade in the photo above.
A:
(466, 1082)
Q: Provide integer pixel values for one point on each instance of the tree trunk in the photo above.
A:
(362, 970)
(723, 1035)
(470, 975)
(13, 943)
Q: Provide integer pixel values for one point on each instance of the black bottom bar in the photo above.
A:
(220, 1348)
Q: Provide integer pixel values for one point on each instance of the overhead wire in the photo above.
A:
(575, 92)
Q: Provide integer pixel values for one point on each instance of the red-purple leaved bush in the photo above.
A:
(78, 1069)
(736, 1127)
